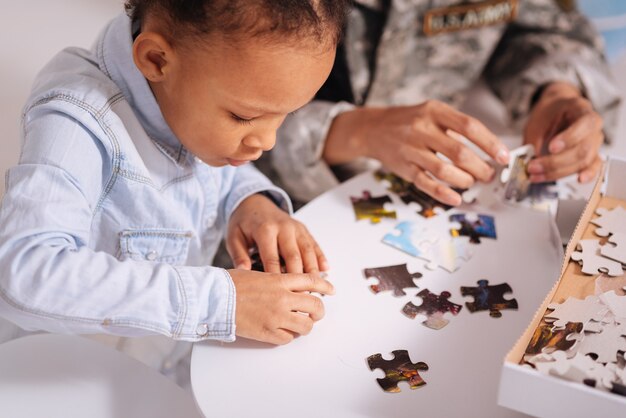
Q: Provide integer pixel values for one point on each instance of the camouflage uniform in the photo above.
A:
(387, 58)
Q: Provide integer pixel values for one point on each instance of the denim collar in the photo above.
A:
(116, 60)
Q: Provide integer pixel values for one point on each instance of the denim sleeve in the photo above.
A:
(50, 279)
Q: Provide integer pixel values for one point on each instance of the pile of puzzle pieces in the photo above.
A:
(584, 340)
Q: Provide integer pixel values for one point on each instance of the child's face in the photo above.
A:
(225, 101)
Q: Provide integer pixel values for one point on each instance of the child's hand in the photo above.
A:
(275, 308)
(257, 221)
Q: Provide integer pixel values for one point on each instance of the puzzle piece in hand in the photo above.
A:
(605, 344)
(482, 226)
(372, 208)
(485, 194)
(615, 249)
(417, 241)
(433, 306)
(548, 338)
(576, 310)
(592, 260)
(409, 193)
(610, 221)
(489, 298)
(395, 278)
(515, 175)
(399, 369)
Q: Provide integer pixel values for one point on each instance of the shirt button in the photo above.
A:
(152, 255)
(202, 330)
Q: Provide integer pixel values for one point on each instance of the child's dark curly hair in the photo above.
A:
(319, 20)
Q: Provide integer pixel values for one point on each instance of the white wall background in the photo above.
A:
(32, 31)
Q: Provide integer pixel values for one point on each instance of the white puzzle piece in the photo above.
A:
(604, 344)
(592, 260)
(576, 310)
(610, 221)
(526, 151)
(616, 248)
(616, 304)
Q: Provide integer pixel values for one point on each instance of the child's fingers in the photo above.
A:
(288, 247)
(268, 250)
(308, 283)
(299, 323)
(310, 305)
(309, 250)
(237, 247)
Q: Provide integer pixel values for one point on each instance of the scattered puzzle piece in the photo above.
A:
(407, 237)
(610, 221)
(548, 338)
(399, 369)
(433, 306)
(372, 208)
(593, 262)
(445, 253)
(409, 193)
(489, 298)
(417, 241)
(394, 278)
(616, 249)
(482, 227)
(576, 310)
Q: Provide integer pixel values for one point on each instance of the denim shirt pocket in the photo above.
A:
(155, 245)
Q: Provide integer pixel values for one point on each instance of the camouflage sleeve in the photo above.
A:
(546, 44)
(297, 157)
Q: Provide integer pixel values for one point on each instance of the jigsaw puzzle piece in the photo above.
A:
(548, 338)
(616, 305)
(485, 194)
(606, 283)
(610, 221)
(433, 306)
(480, 226)
(605, 344)
(445, 253)
(489, 298)
(515, 175)
(407, 191)
(399, 369)
(408, 236)
(372, 208)
(592, 260)
(576, 310)
(616, 248)
(394, 278)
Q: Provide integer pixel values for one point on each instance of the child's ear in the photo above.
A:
(152, 54)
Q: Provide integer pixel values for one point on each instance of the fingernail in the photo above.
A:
(502, 156)
(453, 199)
(556, 146)
(324, 266)
(584, 178)
(241, 266)
(535, 167)
(537, 178)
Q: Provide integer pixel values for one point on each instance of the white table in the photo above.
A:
(326, 374)
(58, 376)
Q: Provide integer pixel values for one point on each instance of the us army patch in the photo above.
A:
(469, 16)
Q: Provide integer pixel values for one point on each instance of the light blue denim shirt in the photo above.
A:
(108, 224)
